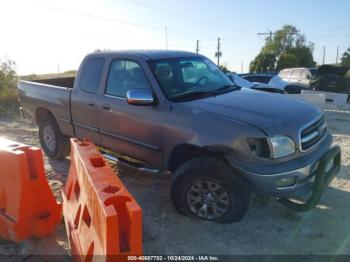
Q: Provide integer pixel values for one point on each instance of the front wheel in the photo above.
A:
(53, 142)
(207, 188)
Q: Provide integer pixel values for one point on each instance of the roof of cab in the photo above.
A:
(147, 54)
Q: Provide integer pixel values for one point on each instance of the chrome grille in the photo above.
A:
(312, 134)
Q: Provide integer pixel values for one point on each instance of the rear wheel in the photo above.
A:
(53, 142)
(207, 188)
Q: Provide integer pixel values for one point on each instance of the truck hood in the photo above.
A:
(269, 112)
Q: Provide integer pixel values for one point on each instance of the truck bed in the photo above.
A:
(52, 95)
(67, 82)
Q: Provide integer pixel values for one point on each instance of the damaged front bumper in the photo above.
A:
(328, 167)
(312, 176)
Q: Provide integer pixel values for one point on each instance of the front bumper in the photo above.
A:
(327, 169)
(304, 177)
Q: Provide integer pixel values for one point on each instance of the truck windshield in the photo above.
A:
(181, 77)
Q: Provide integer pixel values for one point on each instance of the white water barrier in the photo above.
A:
(338, 99)
(316, 99)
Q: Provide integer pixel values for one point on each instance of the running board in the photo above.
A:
(135, 165)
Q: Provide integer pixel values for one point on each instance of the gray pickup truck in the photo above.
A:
(176, 111)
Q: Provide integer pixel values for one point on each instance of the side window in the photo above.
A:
(123, 76)
(165, 77)
(91, 74)
(305, 74)
(295, 74)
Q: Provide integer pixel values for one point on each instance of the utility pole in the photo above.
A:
(336, 60)
(218, 53)
(285, 37)
(166, 38)
(58, 70)
(197, 47)
(324, 55)
(269, 34)
(241, 67)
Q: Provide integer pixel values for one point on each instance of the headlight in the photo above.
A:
(282, 146)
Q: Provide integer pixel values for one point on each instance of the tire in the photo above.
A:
(195, 182)
(53, 142)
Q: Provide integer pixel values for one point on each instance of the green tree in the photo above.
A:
(263, 62)
(8, 84)
(287, 60)
(295, 57)
(287, 45)
(224, 68)
(345, 60)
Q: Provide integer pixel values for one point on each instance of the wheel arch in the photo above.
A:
(185, 152)
(41, 113)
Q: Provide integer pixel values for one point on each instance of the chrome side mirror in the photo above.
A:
(140, 96)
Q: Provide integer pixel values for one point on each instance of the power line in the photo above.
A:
(109, 19)
(333, 29)
(187, 17)
(342, 35)
(193, 34)
(102, 17)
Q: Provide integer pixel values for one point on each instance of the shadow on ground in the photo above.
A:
(267, 228)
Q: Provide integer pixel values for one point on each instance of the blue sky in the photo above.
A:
(46, 36)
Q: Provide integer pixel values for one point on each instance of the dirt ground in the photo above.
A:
(268, 227)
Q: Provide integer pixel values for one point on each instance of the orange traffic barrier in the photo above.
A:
(27, 205)
(102, 217)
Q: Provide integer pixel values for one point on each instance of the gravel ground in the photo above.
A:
(268, 227)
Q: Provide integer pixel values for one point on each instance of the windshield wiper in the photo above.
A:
(195, 94)
(226, 88)
(201, 94)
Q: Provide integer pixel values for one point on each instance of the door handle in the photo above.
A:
(91, 103)
(106, 107)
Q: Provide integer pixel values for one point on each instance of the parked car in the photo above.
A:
(275, 81)
(300, 75)
(177, 111)
(258, 78)
(240, 81)
(330, 79)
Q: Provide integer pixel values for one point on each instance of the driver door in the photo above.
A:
(131, 130)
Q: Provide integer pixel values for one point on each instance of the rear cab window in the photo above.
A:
(91, 73)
